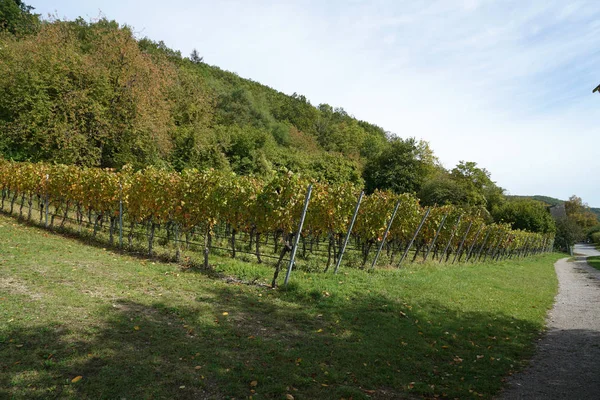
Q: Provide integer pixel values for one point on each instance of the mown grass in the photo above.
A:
(135, 328)
(594, 261)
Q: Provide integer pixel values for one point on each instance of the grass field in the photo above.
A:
(594, 261)
(80, 321)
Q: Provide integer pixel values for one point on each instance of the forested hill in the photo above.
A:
(92, 94)
(551, 201)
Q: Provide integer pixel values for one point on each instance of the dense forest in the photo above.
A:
(92, 94)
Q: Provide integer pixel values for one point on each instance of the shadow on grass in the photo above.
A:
(565, 368)
(101, 241)
(310, 345)
(593, 261)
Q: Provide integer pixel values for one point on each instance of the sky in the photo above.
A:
(507, 84)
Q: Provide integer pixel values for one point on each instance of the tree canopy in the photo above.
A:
(525, 214)
(92, 94)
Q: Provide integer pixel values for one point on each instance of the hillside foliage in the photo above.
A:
(91, 94)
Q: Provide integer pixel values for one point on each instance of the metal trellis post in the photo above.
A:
(385, 235)
(47, 202)
(414, 236)
(451, 237)
(473, 244)
(120, 215)
(462, 242)
(437, 233)
(339, 261)
(297, 237)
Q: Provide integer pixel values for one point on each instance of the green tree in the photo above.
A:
(580, 213)
(442, 190)
(195, 57)
(477, 185)
(402, 167)
(85, 94)
(568, 232)
(16, 17)
(524, 214)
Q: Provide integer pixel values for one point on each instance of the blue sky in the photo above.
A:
(506, 84)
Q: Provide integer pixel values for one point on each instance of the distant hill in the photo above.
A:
(551, 201)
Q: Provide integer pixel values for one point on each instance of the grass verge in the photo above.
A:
(594, 261)
(85, 322)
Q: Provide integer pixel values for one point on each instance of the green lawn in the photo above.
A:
(135, 328)
(594, 261)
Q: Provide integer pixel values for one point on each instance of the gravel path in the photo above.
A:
(567, 361)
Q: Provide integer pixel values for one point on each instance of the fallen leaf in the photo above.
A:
(198, 367)
(76, 379)
(137, 328)
(225, 313)
(289, 397)
(254, 383)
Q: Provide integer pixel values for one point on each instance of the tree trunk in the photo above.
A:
(30, 204)
(258, 247)
(252, 231)
(328, 254)
(304, 247)
(151, 237)
(130, 235)
(416, 253)
(41, 206)
(233, 232)
(65, 215)
(177, 244)
(276, 239)
(111, 230)
(22, 205)
(12, 203)
(79, 217)
(207, 241)
(96, 222)
(366, 249)
(286, 248)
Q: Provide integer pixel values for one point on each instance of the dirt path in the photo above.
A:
(567, 361)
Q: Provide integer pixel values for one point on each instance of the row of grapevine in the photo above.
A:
(203, 202)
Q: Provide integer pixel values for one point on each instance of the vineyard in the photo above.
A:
(287, 219)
